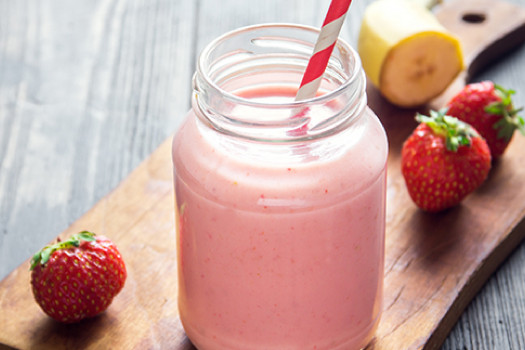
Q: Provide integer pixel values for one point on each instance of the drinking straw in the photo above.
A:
(323, 49)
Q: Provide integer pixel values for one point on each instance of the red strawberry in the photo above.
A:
(77, 278)
(442, 161)
(489, 109)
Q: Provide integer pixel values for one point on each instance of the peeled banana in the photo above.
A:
(429, 4)
(406, 52)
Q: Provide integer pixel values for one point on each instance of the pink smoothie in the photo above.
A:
(284, 249)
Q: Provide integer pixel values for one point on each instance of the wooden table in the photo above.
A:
(88, 89)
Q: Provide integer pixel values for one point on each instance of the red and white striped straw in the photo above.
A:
(323, 49)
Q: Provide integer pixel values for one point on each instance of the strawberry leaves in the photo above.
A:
(42, 257)
(510, 120)
(455, 132)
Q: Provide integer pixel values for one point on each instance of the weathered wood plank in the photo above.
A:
(87, 91)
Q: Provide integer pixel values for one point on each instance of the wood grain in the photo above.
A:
(88, 89)
(487, 31)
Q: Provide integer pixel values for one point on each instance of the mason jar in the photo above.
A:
(280, 204)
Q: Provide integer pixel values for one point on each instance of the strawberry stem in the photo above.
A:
(456, 132)
(43, 255)
(511, 120)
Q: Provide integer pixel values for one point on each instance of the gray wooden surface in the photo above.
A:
(89, 88)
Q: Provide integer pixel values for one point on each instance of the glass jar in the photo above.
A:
(280, 205)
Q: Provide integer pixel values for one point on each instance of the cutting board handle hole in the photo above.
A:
(474, 17)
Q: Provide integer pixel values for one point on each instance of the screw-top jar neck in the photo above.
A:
(246, 81)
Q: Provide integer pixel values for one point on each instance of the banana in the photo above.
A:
(429, 4)
(406, 52)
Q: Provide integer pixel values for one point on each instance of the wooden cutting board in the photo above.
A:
(435, 263)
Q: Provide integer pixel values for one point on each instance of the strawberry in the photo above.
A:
(442, 161)
(77, 278)
(489, 109)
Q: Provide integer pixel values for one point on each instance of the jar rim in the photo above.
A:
(321, 98)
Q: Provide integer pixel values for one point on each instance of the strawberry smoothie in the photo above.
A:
(280, 242)
(280, 255)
